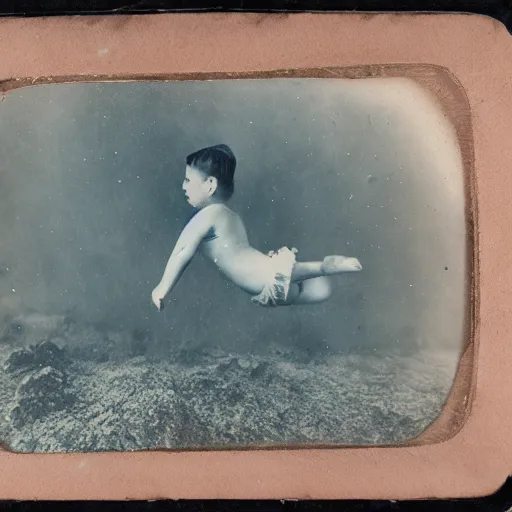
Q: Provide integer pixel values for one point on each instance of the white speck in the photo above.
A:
(7, 269)
(215, 260)
(115, 152)
(13, 290)
(85, 159)
(395, 218)
(138, 177)
(348, 154)
(351, 196)
(119, 181)
(250, 122)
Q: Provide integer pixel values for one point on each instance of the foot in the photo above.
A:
(337, 264)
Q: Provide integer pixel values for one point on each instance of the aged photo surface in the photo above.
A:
(228, 263)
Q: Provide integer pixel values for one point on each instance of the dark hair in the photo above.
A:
(219, 162)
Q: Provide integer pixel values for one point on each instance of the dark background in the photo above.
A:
(499, 9)
(92, 205)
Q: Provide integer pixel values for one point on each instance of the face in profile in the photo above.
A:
(198, 188)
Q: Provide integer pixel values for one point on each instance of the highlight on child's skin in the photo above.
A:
(274, 279)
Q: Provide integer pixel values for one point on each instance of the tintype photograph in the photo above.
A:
(228, 263)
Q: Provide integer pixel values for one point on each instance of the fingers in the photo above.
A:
(157, 299)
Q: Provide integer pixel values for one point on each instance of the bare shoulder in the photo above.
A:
(216, 213)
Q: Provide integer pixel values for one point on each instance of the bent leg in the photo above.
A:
(306, 270)
(310, 291)
(329, 266)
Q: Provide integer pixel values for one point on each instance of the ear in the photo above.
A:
(212, 185)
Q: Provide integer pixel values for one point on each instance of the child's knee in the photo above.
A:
(323, 288)
(315, 290)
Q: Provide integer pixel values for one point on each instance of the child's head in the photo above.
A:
(210, 172)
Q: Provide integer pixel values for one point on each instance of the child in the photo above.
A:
(273, 279)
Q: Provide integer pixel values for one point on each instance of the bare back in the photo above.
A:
(227, 245)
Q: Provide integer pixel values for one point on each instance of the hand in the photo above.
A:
(157, 296)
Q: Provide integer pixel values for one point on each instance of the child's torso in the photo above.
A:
(227, 245)
(227, 233)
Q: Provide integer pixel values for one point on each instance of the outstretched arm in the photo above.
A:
(183, 252)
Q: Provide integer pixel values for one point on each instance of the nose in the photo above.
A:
(183, 186)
